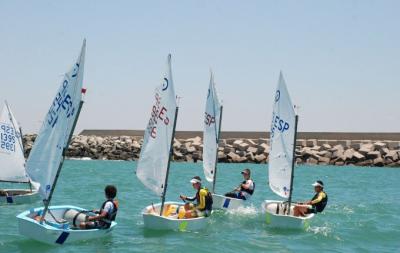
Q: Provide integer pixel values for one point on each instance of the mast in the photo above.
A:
(22, 145)
(216, 157)
(293, 161)
(171, 150)
(47, 201)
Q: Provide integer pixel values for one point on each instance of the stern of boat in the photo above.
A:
(226, 203)
(170, 220)
(276, 216)
(57, 231)
(19, 196)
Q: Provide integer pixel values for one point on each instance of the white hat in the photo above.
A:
(195, 180)
(318, 183)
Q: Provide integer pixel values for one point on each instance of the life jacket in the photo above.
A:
(249, 191)
(208, 198)
(110, 216)
(320, 206)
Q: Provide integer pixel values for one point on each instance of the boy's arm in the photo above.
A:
(246, 185)
(318, 199)
(183, 197)
(102, 215)
(191, 198)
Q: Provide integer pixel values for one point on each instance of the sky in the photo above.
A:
(340, 60)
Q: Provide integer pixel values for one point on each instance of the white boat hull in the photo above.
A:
(55, 233)
(153, 220)
(18, 196)
(275, 216)
(227, 203)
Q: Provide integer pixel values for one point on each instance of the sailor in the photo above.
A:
(3, 193)
(107, 212)
(245, 189)
(203, 200)
(318, 202)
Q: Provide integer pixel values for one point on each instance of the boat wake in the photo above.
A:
(324, 230)
(244, 211)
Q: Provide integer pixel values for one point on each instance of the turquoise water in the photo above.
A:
(362, 214)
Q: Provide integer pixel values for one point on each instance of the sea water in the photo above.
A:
(362, 214)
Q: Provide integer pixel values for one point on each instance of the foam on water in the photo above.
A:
(324, 230)
(250, 210)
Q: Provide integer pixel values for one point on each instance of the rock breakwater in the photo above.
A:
(233, 150)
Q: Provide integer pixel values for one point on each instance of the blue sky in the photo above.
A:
(340, 59)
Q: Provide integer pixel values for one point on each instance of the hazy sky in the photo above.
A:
(340, 59)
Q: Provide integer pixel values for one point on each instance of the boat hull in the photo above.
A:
(152, 220)
(50, 232)
(19, 196)
(282, 220)
(227, 203)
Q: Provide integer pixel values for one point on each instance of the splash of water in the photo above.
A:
(244, 211)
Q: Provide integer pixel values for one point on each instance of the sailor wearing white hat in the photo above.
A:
(203, 198)
(318, 202)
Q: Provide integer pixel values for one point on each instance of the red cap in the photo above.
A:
(83, 90)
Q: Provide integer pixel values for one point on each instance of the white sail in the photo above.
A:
(12, 160)
(153, 162)
(47, 151)
(211, 131)
(281, 140)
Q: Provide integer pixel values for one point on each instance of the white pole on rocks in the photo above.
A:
(216, 157)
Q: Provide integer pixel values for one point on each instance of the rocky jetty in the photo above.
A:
(310, 151)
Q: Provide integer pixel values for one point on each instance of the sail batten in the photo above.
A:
(282, 141)
(154, 156)
(12, 160)
(48, 150)
(211, 133)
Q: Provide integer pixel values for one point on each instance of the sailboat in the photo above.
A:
(155, 157)
(57, 224)
(281, 162)
(211, 135)
(12, 161)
